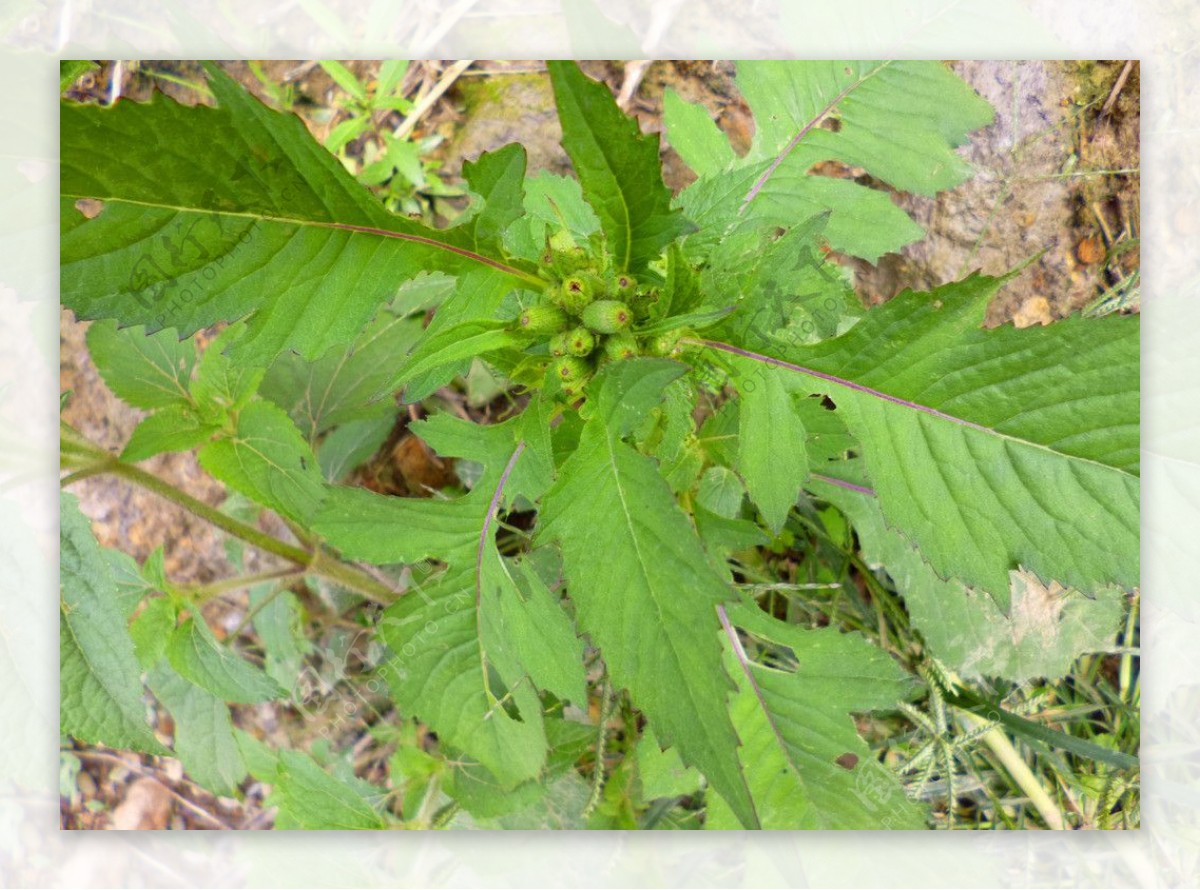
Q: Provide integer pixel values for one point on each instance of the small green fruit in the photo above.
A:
(560, 344)
(542, 319)
(571, 370)
(665, 344)
(626, 286)
(607, 316)
(576, 293)
(620, 346)
(580, 341)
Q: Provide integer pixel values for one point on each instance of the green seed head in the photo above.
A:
(559, 344)
(571, 370)
(576, 293)
(665, 344)
(580, 341)
(542, 319)
(620, 346)
(607, 316)
(626, 286)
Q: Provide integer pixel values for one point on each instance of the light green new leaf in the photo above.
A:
(151, 630)
(992, 449)
(194, 652)
(552, 202)
(618, 167)
(771, 453)
(203, 739)
(615, 518)
(174, 428)
(269, 461)
(310, 798)
(100, 687)
(662, 773)
(222, 384)
(806, 764)
(146, 370)
(262, 222)
(695, 135)
(497, 177)
(1046, 629)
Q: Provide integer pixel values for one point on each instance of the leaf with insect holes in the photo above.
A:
(618, 167)
(615, 517)
(992, 449)
(806, 764)
(1045, 630)
(263, 222)
(899, 120)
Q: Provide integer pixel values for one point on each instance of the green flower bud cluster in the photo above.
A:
(587, 314)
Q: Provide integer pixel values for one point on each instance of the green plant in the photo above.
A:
(706, 435)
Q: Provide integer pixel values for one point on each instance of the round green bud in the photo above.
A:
(559, 344)
(576, 293)
(542, 319)
(626, 286)
(580, 341)
(620, 346)
(607, 316)
(665, 344)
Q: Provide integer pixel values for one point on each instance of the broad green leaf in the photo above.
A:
(342, 77)
(450, 347)
(146, 370)
(993, 449)
(806, 764)
(263, 222)
(347, 382)
(174, 428)
(100, 687)
(310, 798)
(541, 633)
(278, 622)
(693, 133)
(721, 492)
(131, 584)
(203, 739)
(1046, 629)
(269, 461)
(223, 385)
(618, 167)
(498, 178)
(615, 517)
(199, 658)
(771, 453)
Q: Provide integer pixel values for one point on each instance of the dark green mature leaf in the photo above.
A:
(147, 371)
(263, 222)
(268, 460)
(203, 739)
(100, 688)
(310, 798)
(199, 658)
(615, 517)
(1046, 629)
(993, 449)
(805, 762)
(618, 167)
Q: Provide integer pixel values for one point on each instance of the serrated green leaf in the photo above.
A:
(345, 384)
(263, 222)
(194, 652)
(662, 773)
(203, 739)
(615, 517)
(993, 449)
(771, 453)
(552, 203)
(268, 460)
(693, 133)
(312, 799)
(542, 636)
(174, 428)
(127, 577)
(498, 178)
(100, 688)
(146, 370)
(151, 630)
(450, 347)
(223, 385)
(806, 764)
(618, 168)
(721, 492)
(1046, 629)
(278, 624)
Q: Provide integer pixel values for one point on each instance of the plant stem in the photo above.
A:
(201, 593)
(319, 561)
(1020, 771)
